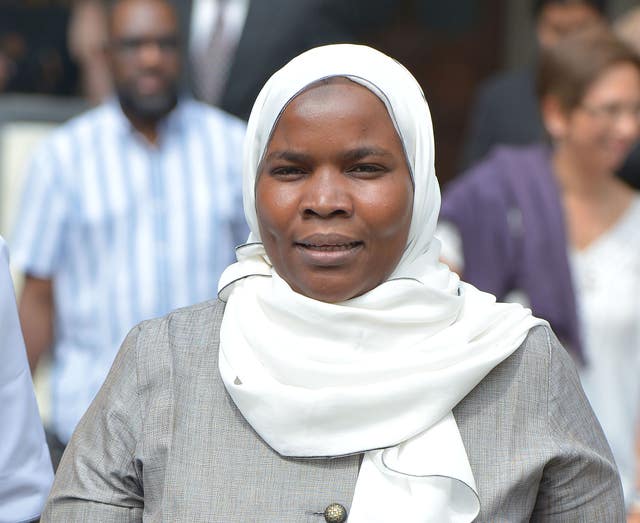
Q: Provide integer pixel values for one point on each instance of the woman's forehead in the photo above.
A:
(342, 93)
(344, 115)
(331, 80)
(337, 98)
(332, 90)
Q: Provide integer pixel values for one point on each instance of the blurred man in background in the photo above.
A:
(506, 110)
(129, 211)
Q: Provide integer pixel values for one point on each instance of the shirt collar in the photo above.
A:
(169, 125)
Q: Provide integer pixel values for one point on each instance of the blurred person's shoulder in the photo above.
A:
(105, 114)
(505, 165)
(97, 123)
(511, 161)
(509, 83)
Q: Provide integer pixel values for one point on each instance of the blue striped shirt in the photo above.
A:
(127, 231)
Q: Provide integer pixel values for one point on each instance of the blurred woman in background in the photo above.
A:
(551, 226)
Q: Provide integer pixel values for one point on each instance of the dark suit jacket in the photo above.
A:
(505, 112)
(276, 31)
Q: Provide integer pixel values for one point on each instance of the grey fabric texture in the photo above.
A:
(163, 441)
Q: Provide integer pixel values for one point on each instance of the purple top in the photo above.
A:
(508, 213)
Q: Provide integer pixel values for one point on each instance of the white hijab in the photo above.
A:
(379, 373)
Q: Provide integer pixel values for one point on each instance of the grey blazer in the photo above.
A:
(164, 442)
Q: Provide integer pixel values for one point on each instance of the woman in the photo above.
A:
(350, 374)
(563, 229)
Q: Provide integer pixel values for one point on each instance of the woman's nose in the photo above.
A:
(328, 193)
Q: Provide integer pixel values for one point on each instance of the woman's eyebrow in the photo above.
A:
(352, 155)
(364, 152)
(290, 156)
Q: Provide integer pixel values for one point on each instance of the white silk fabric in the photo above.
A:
(381, 372)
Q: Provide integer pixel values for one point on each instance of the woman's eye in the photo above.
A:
(287, 171)
(367, 169)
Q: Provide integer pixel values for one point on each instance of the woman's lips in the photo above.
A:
(328, 250)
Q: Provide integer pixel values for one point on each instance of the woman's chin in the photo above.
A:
(329, 292)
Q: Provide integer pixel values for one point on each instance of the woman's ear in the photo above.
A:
(554, 116)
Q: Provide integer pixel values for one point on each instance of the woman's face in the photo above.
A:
(604, 127)
(334, 195)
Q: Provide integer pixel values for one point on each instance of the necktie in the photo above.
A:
(211, 62)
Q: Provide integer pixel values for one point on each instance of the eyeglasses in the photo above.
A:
(131, 46)
(613, 112)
